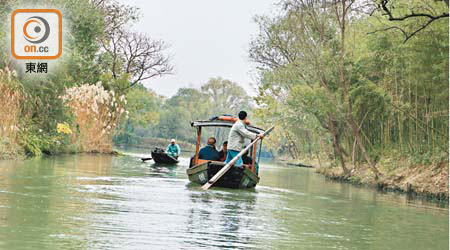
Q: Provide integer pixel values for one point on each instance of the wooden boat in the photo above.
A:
(200, 171)
(159, 156)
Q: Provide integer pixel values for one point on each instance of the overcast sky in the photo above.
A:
(208, 38)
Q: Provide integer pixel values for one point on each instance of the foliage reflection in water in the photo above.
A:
(106, 202)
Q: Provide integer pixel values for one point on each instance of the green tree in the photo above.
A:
(143, 109)
(226, 97)
(323, 69)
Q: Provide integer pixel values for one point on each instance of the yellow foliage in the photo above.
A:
(63, 128)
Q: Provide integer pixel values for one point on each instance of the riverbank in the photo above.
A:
(428, 181)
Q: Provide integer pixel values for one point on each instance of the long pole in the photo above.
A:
(227, 167)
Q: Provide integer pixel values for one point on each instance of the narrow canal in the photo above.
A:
(105, 202)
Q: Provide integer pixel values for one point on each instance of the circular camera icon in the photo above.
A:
(32, 30)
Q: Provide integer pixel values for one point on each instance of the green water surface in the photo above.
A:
(107, 202)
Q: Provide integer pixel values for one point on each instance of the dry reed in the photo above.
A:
(96, 112)
(11, 98)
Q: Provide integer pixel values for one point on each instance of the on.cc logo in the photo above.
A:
(36, 34)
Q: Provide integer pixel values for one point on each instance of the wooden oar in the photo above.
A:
(227, 167)
(146, 159)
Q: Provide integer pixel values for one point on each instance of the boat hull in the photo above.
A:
(161, 157)
(236, 177)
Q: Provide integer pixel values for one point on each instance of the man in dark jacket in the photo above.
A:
(209, 151)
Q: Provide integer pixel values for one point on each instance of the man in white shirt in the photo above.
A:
(237, 136)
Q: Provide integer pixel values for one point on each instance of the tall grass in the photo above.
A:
(96, 112)
(11, 97)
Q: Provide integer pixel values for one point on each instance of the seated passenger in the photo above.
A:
(223, 152)
(209, 151)
(173, 149)
(247, 159)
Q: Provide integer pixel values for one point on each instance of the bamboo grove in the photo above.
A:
(348, 84)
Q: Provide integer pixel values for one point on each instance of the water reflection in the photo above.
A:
(354, 217)
(30, 200)
(223, 216)
(105, 202)
(163, 170)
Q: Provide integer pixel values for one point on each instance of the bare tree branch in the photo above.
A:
(143, 57)
(386, 29)
(132, 53)
(386, 7)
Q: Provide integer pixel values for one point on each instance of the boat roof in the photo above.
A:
(221, 123)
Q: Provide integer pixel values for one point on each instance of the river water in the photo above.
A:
(106, 202)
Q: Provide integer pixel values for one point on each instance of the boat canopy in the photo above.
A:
(222, 123)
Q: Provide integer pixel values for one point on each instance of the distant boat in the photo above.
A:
(159, 156)
(200, 171)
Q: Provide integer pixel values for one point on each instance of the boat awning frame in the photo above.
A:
(220, 123)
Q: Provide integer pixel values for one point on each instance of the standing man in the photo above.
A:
(173, 149)
(237, 136)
